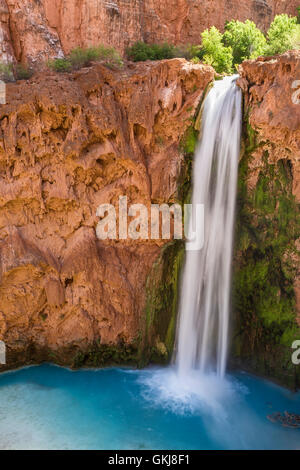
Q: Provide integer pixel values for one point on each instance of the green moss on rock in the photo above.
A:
(162, 304)
(100, 355)
(268, 225)
(189, 140)
(163, 283)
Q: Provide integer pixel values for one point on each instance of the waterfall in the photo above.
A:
(203, 323)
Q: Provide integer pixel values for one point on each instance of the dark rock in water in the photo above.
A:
(288, 420)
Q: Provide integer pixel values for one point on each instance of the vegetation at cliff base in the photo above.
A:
(6, 72)
(83, 57)
(240, 41)
(22, 72)
(140, 51)
(223, 51)
(12, 72)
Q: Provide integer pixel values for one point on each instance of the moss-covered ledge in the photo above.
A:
(162, 291)
(266, 258)
(158, 330)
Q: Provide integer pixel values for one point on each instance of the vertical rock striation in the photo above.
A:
(69, 143)
(267, 265)
(36, 30)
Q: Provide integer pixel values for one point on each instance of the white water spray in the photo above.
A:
(202, 338)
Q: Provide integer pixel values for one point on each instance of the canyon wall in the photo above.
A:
(267, 265)
(69, 143)
(33, 31)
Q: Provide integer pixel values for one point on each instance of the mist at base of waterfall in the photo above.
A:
(48, 407)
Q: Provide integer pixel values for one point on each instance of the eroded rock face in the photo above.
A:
(182, 21)
(32, 38)
(39, 30)
(267, 263)
(6, 49)
(272, 88)
(272, 93)
(67, 144)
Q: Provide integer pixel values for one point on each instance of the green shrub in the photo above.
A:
(214, 52)
(109, 55)
(188, 51)
(6, 72)
(295, 38)
(245, 39)
(22, 72)
(82, 57)
(60, 65)
(163, 51)
(140, 51)
(280, 35)
(195, 60)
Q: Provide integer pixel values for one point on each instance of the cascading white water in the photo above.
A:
(203, 327)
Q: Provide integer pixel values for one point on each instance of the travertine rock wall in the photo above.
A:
(273, 96)
(267, 259)
(67, 144)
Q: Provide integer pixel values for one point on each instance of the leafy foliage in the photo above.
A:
(295, 38)
(6, 72)
(22, 72)
(189, 52)
(60, 65)
(224, 52)
(12, 72)
(140, 51)
(82, 57)
(240, 41)
(245, 39)
(268, 226)
(281, 33)
(214, 51)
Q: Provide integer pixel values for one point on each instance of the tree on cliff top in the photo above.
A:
(246, 40)
(240, 41)
(214, 52)
(281, 34)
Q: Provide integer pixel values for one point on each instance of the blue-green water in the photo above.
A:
(48, 407)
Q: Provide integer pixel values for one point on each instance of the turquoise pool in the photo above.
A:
(48, 407)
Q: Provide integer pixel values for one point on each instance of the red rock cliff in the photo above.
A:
(67, 144)
(272, 94)
(266, 293)
(33, 31)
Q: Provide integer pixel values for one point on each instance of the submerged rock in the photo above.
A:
(288, 420)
